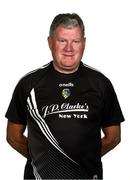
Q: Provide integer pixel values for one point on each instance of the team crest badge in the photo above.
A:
(66, 93)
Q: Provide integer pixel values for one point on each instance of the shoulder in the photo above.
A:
(36, 73)
(31, 78)
(93, 72)
(96, 76)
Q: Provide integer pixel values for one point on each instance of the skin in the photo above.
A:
(67, 47)
(19, 142)
(112, 137)
(16, 138)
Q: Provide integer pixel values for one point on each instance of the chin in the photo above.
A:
(69, 67)
(69, 63)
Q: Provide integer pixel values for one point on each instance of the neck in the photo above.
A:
(65, 70)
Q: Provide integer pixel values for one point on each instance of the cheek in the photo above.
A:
(58, 48)
(79, 50)
(55, 49)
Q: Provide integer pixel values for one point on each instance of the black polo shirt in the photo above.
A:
(64, 114)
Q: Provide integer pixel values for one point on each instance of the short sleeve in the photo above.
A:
(17, 110)
(112, 114)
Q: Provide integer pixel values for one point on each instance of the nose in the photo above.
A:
(69, 47)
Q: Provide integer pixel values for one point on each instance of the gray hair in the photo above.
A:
(68, 21)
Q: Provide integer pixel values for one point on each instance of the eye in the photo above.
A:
(76, 41)
(61, 40)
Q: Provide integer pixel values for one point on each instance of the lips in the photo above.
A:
(68, 55)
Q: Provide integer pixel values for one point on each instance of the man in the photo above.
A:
(65, 105)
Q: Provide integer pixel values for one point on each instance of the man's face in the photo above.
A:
(67, 47)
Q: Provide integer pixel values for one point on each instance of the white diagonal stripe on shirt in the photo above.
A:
(42, 124)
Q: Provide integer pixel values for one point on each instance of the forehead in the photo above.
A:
(62, 31)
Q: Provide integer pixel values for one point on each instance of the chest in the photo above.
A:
(68, 100)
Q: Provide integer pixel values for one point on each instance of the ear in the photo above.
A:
(50, 42)
(84, 42)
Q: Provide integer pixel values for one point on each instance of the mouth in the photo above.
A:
(68, 55)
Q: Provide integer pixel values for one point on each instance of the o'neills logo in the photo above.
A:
(63, 108)
(66, 85)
